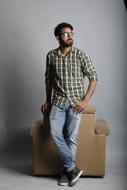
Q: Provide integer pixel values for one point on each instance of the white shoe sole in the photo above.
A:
(76, 179)
(63, 184)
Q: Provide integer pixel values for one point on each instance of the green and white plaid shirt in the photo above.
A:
(67, 75)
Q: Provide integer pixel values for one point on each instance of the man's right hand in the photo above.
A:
(45, 108)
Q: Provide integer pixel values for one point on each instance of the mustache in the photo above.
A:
(70, 40)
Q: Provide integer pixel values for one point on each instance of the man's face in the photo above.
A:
(66, 37)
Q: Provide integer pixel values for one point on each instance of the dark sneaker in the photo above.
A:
(74, 175)
(63, 180)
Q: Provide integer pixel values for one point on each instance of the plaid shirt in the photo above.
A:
(67, 75)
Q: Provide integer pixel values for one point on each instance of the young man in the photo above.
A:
(66, 68)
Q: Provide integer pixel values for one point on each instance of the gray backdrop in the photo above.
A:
(26, 35)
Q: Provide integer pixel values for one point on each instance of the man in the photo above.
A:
(66, 68)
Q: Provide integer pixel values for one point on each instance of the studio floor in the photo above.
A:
(17, 174)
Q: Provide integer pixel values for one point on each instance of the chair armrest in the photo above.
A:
(40, 126)
(102, 127)
(35, 127)
(90, 110)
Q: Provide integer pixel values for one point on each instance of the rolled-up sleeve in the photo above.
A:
(48, 72)
(88, 68)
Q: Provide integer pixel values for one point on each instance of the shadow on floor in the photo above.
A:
(20, 166)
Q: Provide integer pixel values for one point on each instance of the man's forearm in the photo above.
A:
(48, 92)
(90, 90)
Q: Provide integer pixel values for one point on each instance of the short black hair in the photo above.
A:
(60, 26)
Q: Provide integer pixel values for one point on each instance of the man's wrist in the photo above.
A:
(48, 101)
(86, 99)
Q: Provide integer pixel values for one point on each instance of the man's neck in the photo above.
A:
(64, 50)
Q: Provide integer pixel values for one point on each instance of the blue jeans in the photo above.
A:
(64, 124)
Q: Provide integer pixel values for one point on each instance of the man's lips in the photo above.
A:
(70, 40)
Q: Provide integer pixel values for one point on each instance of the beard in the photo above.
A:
(68, 43)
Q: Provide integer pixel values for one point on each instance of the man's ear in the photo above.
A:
(57, 37)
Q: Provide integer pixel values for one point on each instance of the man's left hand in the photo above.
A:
(80, 106)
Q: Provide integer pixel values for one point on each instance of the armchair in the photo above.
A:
(91, 152)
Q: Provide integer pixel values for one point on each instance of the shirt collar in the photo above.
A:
(59, 52)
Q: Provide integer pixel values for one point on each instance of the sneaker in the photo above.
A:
(63, 180)
(74, 175)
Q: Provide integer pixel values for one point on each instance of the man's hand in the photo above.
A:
(45, 108)
(80, 106)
